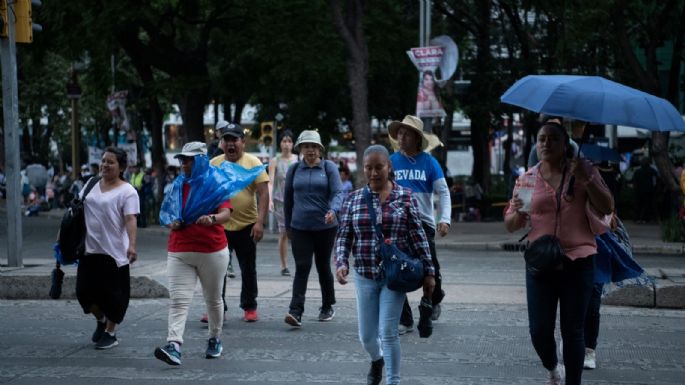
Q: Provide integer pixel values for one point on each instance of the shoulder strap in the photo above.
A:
(372, 213)
(559, 192)
(89, 186)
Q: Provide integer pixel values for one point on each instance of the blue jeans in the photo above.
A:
(571, 288)
(378, 315)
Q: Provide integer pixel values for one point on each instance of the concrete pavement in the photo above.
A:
(481, 337)
(149, 274)
(32, 281)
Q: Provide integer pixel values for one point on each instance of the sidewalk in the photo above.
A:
(646, 238)
(149, 277)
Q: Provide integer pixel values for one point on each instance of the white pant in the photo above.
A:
(183, 270)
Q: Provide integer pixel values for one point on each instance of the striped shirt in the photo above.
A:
(401, 223)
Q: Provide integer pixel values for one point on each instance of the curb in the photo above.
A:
(21, 287)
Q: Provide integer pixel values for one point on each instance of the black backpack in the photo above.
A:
(72, 231)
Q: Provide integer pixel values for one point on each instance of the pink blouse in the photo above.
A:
(573, 228)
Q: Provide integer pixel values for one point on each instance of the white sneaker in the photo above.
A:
(405, 329)
(590, 362)
(556, 376)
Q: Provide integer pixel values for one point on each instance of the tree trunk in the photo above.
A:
(349, 25)
(192, 109)
(482, 84)
(443, 133)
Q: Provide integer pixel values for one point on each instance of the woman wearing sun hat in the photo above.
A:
(420, 171)
(312, 197)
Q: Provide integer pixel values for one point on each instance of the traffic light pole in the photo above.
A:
(10, 106)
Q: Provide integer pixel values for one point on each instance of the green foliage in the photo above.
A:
(673, 229)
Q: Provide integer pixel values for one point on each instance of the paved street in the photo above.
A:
(481, 337)
(47, 342)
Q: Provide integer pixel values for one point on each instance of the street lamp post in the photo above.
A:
(10, 107)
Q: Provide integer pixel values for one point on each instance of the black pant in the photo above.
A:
(246, 252)
(571, 288)
(592, 317)
(100, 282)
(304, 244)
(407, 318)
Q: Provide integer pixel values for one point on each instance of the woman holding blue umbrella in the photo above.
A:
(568, 283)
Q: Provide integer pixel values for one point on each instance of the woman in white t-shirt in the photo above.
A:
(103, 277)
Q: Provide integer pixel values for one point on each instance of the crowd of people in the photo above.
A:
(319, 215)
(326, 221)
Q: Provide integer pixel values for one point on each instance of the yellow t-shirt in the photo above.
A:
(245, 202)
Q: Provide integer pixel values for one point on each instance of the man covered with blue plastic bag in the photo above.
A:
(195, 207)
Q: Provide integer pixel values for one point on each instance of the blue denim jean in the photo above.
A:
(378, 315)
(571, 288)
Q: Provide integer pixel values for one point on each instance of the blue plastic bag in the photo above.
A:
(614, 261)
(210, 186)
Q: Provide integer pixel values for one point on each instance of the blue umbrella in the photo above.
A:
(593, 99)
(597, 153)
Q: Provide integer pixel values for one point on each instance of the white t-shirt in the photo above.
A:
(105, 213)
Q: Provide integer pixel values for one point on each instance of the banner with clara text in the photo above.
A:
(427, 61)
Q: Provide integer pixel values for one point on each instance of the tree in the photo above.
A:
(482, 97)
(348, 19)
(649, 26)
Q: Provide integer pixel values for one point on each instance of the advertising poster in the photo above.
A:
(427, 60)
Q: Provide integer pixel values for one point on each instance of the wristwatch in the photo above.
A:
(213, 217)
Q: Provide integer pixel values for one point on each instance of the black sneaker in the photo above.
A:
(99, 330)
(168, 354)
(375, 375)
(436, 312)
(293, 320)
(326, 313)
(425, 326)
(107, 341)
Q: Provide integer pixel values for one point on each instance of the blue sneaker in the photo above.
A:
(214, 348)
(168, 354)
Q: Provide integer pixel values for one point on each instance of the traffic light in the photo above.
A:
(24, 26)
(266, 135)
(3, 17)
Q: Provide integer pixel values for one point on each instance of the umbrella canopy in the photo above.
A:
(597, 153)
(593, 99)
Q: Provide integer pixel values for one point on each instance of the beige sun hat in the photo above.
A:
(309, 136)
(191, 149)
(411, 122)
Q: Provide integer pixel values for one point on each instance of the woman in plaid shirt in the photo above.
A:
(379, 308)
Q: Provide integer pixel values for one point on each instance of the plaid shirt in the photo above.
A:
(401, 223)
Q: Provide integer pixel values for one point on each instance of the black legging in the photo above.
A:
(407, 318)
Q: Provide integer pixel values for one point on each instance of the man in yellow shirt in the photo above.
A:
(250, 207)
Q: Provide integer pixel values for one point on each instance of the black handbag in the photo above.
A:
(545, 254)
(403, 272)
